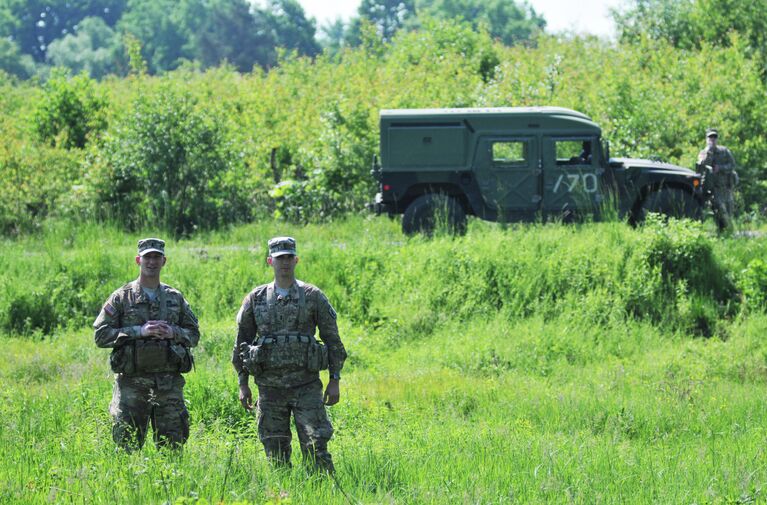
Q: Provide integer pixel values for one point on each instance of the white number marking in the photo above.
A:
(590, 182)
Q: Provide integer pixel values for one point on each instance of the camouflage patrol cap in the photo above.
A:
(147, 245)
(712, 132)
(280, 246)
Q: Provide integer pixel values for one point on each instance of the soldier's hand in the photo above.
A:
(332, 392)
(167, 331)
(149, 329)
(246, 397)
(158, 329)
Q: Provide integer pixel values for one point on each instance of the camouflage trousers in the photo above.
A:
(724, 194)
(155, 398)
(275, 406)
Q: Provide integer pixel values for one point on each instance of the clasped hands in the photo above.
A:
(158, 329)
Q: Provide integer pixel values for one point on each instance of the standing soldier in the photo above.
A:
(719, 164)
(276, 345)
(150, 328)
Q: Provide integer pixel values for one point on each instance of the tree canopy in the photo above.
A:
(34, 24)
(90, 35)
(693, 24)
(506, 21)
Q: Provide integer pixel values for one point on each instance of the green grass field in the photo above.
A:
(521, 364)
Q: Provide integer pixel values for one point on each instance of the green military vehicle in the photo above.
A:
(516, 164)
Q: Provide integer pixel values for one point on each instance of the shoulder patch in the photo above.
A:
(258, 293)
(332, 311)
(110, 311)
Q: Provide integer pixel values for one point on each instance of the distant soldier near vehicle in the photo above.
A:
(150, 328)
(276, 345)
(718, 163)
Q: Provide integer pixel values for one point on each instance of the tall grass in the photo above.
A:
(521, 365)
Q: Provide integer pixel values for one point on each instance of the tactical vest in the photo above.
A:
(150, 355)
(286, 350)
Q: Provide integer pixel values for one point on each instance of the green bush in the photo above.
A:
(341, 181)
(681, 251)
(674, 276)
(71, 111)
(67, 294)
(753, 283)
(34, 184)
(170, 163)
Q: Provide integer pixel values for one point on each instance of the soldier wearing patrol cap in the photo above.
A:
(276, 346)
(720, 163)
(150, 328)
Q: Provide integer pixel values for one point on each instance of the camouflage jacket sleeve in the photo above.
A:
(328, 328)
(187, 332)
(109, 331)
(704, 157)
(246, 332)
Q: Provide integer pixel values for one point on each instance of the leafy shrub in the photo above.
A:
(469, 49)
(170, 163)
(69, 294)
(27, 313)
(753, 283)
(340, 182)
(681, 251)
(34, 181)
(70, 112)
(674, 274)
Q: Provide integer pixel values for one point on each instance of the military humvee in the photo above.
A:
(516, 164)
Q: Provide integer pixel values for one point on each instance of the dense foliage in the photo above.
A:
(94, 35)
(169, 161)
(70, 112)
(669, 274)
(301, 137)
(693, 25)
(506, 21)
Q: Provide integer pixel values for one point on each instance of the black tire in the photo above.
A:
(671, 202)
(432, 212)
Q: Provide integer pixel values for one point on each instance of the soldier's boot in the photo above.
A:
(278, 453)
(317, 457)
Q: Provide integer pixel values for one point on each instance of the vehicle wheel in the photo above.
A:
(672, 202)
(429, 213)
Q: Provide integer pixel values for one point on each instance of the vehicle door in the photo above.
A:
(571, 175)
(508, 172)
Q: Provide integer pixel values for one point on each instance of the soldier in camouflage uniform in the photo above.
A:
(719, 162)
(150, 327)
(275, 344)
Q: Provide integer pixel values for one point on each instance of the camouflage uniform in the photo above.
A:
(283, 326)
(142, 397)
(724, 179)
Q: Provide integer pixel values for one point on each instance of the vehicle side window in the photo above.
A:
(510, 153)
(573, 152)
